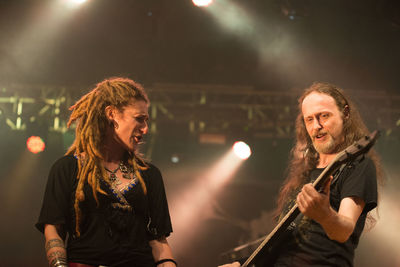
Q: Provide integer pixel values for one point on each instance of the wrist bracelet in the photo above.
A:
(59, 262)
(165, 260)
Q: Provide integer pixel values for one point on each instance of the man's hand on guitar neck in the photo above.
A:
(313, 204)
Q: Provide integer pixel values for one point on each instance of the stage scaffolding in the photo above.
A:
(230, 110)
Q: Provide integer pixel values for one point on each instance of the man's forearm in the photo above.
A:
(337, 227)
(340, 225)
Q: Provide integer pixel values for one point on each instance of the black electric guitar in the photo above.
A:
(264, 253)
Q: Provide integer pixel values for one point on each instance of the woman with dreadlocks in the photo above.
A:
(102, 199)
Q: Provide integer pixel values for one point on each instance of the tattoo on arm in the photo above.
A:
(52, 243)
(58, 254)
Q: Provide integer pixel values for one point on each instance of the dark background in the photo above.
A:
(284, 45)
(352, 43)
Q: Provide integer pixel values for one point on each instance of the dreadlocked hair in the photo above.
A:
(91, 125)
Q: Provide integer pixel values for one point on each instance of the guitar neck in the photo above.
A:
(327, 172)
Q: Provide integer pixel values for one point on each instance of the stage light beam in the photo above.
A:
(192, 206)
(275, 45)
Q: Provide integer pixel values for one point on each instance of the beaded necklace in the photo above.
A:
(126, 173)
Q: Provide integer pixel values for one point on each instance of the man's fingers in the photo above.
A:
(309, 190)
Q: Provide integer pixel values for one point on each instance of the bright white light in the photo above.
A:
(202, 2)
(242, 150)
(73, 3)
(175, 158)
(78, 1)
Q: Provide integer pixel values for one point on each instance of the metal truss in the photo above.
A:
(23, 106)
(217, 109)
(224, 109)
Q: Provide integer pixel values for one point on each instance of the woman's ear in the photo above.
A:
(109, 112)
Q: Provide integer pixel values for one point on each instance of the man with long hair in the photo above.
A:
(327, 231)
(102, 200)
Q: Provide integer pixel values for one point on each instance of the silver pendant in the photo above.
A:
(113, 177)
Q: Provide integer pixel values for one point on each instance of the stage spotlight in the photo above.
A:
(78, 1)
(35, 144)
(175, 158)
(73, 3)
(202, 2)
(242, 150)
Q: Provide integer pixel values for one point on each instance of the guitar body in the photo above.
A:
(268, 256)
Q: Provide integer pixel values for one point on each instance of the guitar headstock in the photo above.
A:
(362, 146)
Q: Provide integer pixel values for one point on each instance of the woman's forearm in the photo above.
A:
(55, 249)
(162, 253)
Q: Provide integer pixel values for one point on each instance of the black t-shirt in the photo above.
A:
(109, 236)
(308, 244)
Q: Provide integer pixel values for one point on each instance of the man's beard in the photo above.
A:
(330, 146)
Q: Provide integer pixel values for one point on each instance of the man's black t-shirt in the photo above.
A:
(309, 245)
(109, 236)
